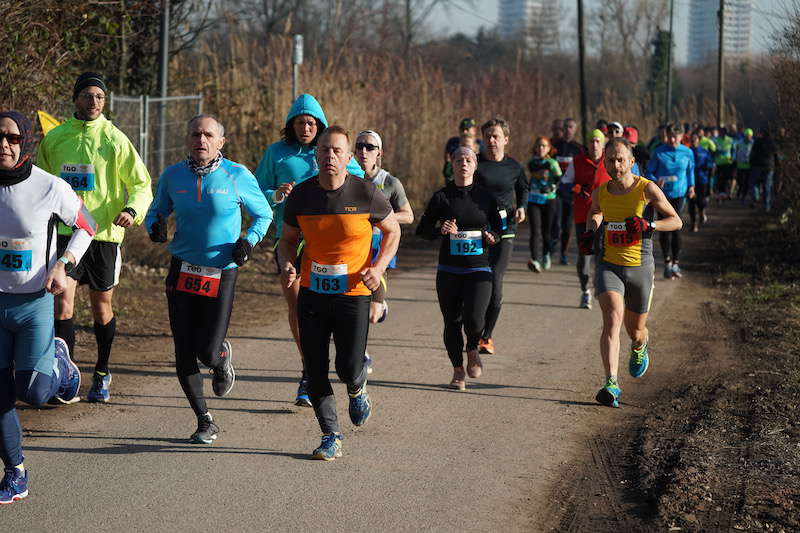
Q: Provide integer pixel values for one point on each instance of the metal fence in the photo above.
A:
(156, 126)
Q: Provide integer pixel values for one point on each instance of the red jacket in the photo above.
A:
(589, 175)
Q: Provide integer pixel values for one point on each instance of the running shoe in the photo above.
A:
(534, 266)
(459, 376)
(474, 364)
(486, 346)
(71, 379)
(360, 406)
(224, 376)
(695, 227)
(609, 394)
(564, 260)
(546, 263)
(705, 218)
(586, 299)
(676, 271)
(14, 486)
(667, 270)
(385, 312)
(368, 362)
(640, 360)
(302, 399)
(330, 448)
(99, 391)
(206, 432)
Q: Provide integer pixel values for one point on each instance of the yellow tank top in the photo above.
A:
(619, 246)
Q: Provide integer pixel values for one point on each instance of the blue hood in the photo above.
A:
(307, 105)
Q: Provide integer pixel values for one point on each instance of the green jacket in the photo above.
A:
(724, 154)
(104, 169)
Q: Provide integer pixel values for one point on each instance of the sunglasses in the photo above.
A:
(12, 138)
(366, 146)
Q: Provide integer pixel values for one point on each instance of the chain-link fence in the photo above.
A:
(156, 126)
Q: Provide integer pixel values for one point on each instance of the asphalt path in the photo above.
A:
(428, 458)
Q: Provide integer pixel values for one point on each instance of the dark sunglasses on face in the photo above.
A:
(366, 146)
(12, 138)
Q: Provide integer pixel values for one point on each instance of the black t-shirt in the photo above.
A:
(565, 152)
(474, 209)
(508, 184)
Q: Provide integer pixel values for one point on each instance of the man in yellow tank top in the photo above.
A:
(625, 270)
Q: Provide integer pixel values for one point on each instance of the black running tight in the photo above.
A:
(463, 299)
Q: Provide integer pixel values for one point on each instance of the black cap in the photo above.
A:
(88, 79)
(467, 123)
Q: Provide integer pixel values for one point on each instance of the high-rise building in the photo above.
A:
(534, 22)
(704, 30)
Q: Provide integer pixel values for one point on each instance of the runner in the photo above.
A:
(103, 168)
(284, 165)
(741, 151)
(615, 130)
(545, 177)
(466, 128)
(369, 154)
(505, 178)
(566, 149)
(763, 159)
(557, 131)
(467, 216)
(206, 192)
(723, 159)
(672, 168)
(703, 166)
(336, 212)
(33, 366)
(587, 173)
(624, 276)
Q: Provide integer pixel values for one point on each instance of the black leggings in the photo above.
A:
(347, 319)
(562, 221)
(671, 240)
(199, 324)
(499, 257)
(463, 299)
(584, 264)
(699, 202)
(540, 218)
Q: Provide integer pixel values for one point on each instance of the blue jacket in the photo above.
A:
(673, 165)
(286, 163)
(208, 211)
(703, 165)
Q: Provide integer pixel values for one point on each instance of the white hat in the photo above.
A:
(372, 134)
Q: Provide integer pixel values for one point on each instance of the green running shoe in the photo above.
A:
(609, 394)
(640, 360)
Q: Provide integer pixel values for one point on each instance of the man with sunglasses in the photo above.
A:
(101, 165)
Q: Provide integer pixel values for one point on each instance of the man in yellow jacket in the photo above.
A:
(103, 168)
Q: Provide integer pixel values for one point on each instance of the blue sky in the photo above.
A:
(484, 13)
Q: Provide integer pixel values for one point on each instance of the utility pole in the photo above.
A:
(408, 26)
(668, 96)
(721, 63)
(582, 72)
(163, 78)
(297, 60)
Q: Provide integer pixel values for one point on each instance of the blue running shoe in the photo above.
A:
(609, 394)
(302, 399)
(360, 406)
(71, 375)
(564, 260)
(640, 360)
(667, 270)
(14, 486)
(676, 271)
(330, 448)
(99, 391)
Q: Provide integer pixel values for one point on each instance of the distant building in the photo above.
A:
(534, 22)
(704, 30)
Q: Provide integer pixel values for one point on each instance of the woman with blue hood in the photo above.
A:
(285, 164)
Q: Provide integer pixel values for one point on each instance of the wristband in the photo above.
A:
(131, 211)
(653, 225)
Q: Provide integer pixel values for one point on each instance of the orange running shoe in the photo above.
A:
(486, 346)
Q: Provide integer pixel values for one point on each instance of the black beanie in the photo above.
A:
(88, 79)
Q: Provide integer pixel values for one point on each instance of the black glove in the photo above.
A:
(241, 251)
(586, 243)
(158, 230)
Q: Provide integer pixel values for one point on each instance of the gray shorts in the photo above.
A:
(635, 283)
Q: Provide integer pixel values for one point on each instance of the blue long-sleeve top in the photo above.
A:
(703, 165)
(674, 167)
(208, 211)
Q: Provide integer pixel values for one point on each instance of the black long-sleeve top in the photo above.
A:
(474, 210)
(506, 180)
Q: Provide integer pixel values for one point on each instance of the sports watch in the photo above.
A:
(69, 266)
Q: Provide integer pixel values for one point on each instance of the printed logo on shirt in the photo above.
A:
(217, 191)
(181, 191)
(348, 209)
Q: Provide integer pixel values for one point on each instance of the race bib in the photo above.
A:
(200, 280)
(328, 279)
(466, 243)
(618, 236)
(15, 254)
(668, 179)
(536, 198)
(79, 177)
(503, 219)
(376, 241)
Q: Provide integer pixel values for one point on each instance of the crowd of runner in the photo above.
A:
(337, 215)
